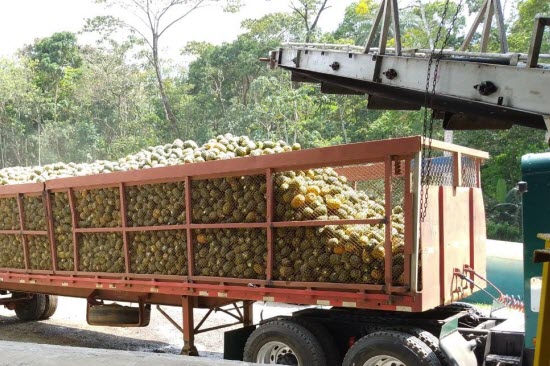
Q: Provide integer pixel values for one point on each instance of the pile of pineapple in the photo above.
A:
(331, 253)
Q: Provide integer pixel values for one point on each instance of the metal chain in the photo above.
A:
(427, 129)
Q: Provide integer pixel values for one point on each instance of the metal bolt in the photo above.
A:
(486, 88)
(390, 74)
(335, 66)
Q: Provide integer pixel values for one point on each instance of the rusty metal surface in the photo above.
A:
(165, 275)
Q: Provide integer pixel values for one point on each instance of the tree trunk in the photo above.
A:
(168, 113)
(425, 22)
(343, 124)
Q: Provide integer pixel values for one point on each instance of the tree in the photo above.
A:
(310, 11)
(522, 28)
(54, 57)
(151, 20)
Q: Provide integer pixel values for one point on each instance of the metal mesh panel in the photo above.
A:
(344, 254)
(34, 213)
(469, 172)
(226, 200)
(442, 172)
(63, 231)
(98, 208)
(11, 252)
(9, 214)
(156, 204)
(101, 252)
(398, 223)
(158, 252)
(237, 253)
(351, 192)
(39, 252)
(440, 168)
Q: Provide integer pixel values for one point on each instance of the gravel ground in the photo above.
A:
(68, 327)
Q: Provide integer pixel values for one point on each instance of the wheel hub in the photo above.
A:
(277, 353)
(383, 360)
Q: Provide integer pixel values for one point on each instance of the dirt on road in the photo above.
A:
(68, 327)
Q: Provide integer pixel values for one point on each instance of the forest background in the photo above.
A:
(63, 100)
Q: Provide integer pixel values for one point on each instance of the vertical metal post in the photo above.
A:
(22, 228)
(472, 236)
(375, 24)
(385, 28)
(536, 40)
(248, 313)
(409, 219)
(457, 169)
(388, 258)
(46, 198)
(189, 348)
(124, 221)
(396, 28)
(478, 172)
(501, 27)
(74, 224)
(487, 26)
(542, 353)
(269, 219)
(416, 189)
(188, 214)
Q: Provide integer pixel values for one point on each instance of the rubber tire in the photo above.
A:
(408, 349)
(306, 347)
(32, 309)
(332, 353)
(51, 307)
(429, 340)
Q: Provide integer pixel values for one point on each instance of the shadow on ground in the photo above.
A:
(13, 329)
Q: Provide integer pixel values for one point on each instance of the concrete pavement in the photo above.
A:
(32, 354)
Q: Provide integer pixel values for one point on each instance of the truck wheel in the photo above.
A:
(390, 348)
(283, 342)
(326, 340)
(51, 307)
(429, 340)
(32, 309)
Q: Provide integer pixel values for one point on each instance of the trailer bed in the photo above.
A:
(435, 252)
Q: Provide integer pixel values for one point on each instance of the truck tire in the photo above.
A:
(326, 340)
(285, 343)
(429, 340)
(390, 347)
(51, 307)
(32, 309)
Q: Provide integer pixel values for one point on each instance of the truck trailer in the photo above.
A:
(397, 288)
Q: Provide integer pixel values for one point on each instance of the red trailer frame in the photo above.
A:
(430, 267)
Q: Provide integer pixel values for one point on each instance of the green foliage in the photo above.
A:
(500, 190)
(522, 28)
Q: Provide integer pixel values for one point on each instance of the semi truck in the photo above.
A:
(384, 285)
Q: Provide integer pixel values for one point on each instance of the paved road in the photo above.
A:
(30, 354)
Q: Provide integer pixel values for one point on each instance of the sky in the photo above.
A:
(23, 21)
